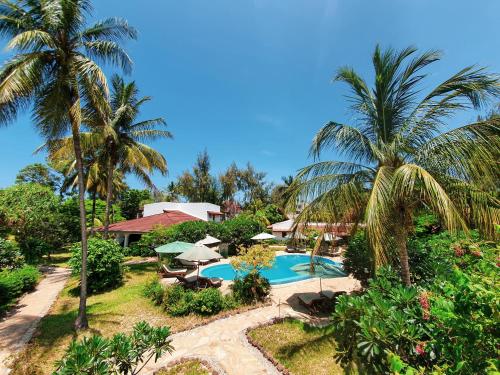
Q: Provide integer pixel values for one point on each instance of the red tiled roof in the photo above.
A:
(146, 224)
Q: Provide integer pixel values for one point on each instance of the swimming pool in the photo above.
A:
(285, 269)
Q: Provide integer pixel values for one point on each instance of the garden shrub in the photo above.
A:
(208, 302)
(235, 232)
(178, 301)
(446, 323)
(104, 263)
(251, 288)
(15, 282)
(10, 255)
(121, 354)
(358, 258)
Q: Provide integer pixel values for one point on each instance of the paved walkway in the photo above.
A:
(223, 341)
(17, 328)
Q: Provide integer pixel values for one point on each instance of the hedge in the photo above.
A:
(16, 282)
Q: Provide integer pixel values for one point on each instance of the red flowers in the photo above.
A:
(459, 251)
(420, 348)
(476, 253)
(425, 304)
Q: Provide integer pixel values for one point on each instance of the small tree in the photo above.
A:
(252, 287)
(122, 354)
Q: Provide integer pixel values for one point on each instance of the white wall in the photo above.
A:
(198, 210)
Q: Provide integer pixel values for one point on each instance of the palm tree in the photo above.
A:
(117, 123)
(399, 158)
(55, 69)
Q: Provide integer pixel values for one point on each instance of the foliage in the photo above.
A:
(448, 322)
(401, 158)
(178, 301)
(100, 212)
(104, 264)
(253, 259)
(199, 185)
(358, 259)
(39, 174)
(130, 202)
(33, 214)
(15, 282)
(237, 232)
(10, 256)
(251, 288)
(121, 354)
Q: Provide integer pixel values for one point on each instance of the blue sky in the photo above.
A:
(251, 80)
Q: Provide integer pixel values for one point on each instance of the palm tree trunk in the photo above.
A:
(109, 193)
(401, 239)
(81, 321)
(94, 198)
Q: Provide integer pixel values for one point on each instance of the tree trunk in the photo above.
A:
(94, 197)
(74, 115)
(401, 243)
(109, 193)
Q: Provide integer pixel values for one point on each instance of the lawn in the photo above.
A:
(111, 312)
(188, 367)
(302, 349)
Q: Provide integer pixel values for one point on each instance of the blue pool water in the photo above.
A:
(286, 269)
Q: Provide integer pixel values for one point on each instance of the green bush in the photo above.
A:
(154, 291)
(104, 264)
(358, 258)
(15, 282)
(177, 301)
(10, 255)
(447, 322)
(208, 302)
(236, 232)
(121, 354)
(251, 288)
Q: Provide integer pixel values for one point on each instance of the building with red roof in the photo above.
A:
(130, 230)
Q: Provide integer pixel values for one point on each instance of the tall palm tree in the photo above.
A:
(122, 133)
(400, 156)
(56, 69)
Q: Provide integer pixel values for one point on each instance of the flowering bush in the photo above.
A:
(447, 323)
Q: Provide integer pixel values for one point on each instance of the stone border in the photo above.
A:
(210, 365)
(278, 366)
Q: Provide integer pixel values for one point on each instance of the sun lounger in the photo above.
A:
(212, 282)
(330, 294)
(187, 282)
(295, 249)
(311, 300)
(172, 272)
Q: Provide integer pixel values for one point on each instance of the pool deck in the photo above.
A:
(223, 342)
(281, 293)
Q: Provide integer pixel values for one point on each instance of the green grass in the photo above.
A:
(109, 313)
(302, 349)
(57, 260)
(189, 367)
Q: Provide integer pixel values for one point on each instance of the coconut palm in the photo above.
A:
(399, 156)
(56, 70)
(116, 123)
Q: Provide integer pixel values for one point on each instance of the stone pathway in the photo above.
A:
(224, 343)
(19, 325)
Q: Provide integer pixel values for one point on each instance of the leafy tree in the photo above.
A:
(253, 259)
(400, 159)
(199, 185)
(253, 185)
(130, 202)
(10, 256)
(122, 354)
(278, 193)
(39, 174)
(54, 69)
(32, 213)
